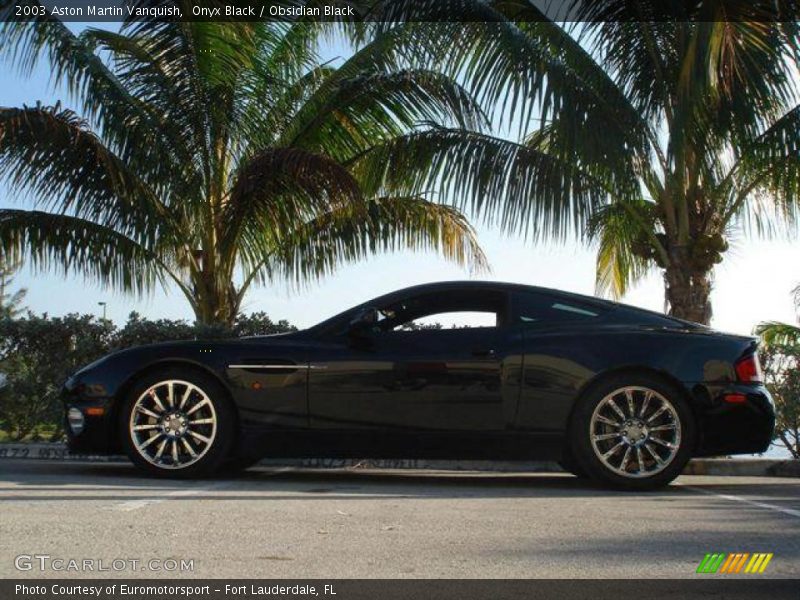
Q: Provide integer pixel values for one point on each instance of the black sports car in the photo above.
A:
(623, 395)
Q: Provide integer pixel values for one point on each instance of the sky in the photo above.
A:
(753, 284)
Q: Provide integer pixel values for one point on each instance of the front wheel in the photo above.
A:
(178, 423)
(632, 432)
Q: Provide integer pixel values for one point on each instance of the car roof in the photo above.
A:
(507, 287)
(493, 285)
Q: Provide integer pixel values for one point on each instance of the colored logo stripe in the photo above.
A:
(720, 562)
(727, 564)
(735, 562)
(758, 563)
(710, 563)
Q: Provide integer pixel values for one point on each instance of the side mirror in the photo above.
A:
(364, 321)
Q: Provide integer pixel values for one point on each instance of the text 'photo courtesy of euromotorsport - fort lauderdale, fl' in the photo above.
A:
(356, 299)
(74, 590)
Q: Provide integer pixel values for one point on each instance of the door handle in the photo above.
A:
(484, 353)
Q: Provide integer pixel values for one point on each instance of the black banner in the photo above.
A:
(734, 588)
(398, 10)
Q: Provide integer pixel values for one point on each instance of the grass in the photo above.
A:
(42, 433)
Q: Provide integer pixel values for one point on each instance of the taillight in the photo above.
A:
(748, 369)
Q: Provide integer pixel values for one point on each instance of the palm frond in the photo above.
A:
(276, 190)
(259, 128)
(626, 246)
(384, 54)
(518, 188)
(770, 163)
(682, 52)
(774, 333)
(73, 245)
(373, 106)
(288, 50)
(351, 233)
(127, 124)
(24, 43)
(167, 115)
(512, 56)
(49, 152)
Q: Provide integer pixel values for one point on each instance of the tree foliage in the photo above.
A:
(214, 156)
(655, 130)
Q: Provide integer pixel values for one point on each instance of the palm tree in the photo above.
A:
(215, 156)
(663, 128)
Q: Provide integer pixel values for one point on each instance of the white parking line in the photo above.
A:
(143, 502)
(781, 509)
(138, 503)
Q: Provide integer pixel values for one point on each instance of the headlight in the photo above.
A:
(76, 420)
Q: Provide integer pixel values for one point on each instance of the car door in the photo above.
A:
(557, 330)
(446, 379)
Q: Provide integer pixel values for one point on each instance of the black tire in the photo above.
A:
(570, 465)
(218, 450)
(679, 419)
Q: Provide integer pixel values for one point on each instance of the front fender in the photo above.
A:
(99, 389)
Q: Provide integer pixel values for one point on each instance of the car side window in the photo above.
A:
(534, 309)
(450, 320)
(451, 309)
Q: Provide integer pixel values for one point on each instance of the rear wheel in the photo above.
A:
(632, 432)
(178, 423)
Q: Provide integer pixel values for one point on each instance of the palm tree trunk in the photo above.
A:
(204, 314)
(216, 307)
(687, 289)
(214, 312)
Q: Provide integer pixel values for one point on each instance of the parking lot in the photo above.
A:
(356, 523)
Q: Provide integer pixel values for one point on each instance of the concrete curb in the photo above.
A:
(50, 451)
(748, 467)
(752, 467)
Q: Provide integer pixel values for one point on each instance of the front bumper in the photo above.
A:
(96, 437)
(746, 426)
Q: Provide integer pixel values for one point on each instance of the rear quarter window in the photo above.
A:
(541, 310)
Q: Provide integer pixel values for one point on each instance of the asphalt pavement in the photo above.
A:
(358, 523)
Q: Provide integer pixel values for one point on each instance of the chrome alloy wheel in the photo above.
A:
(173, 424)
(635, 432)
